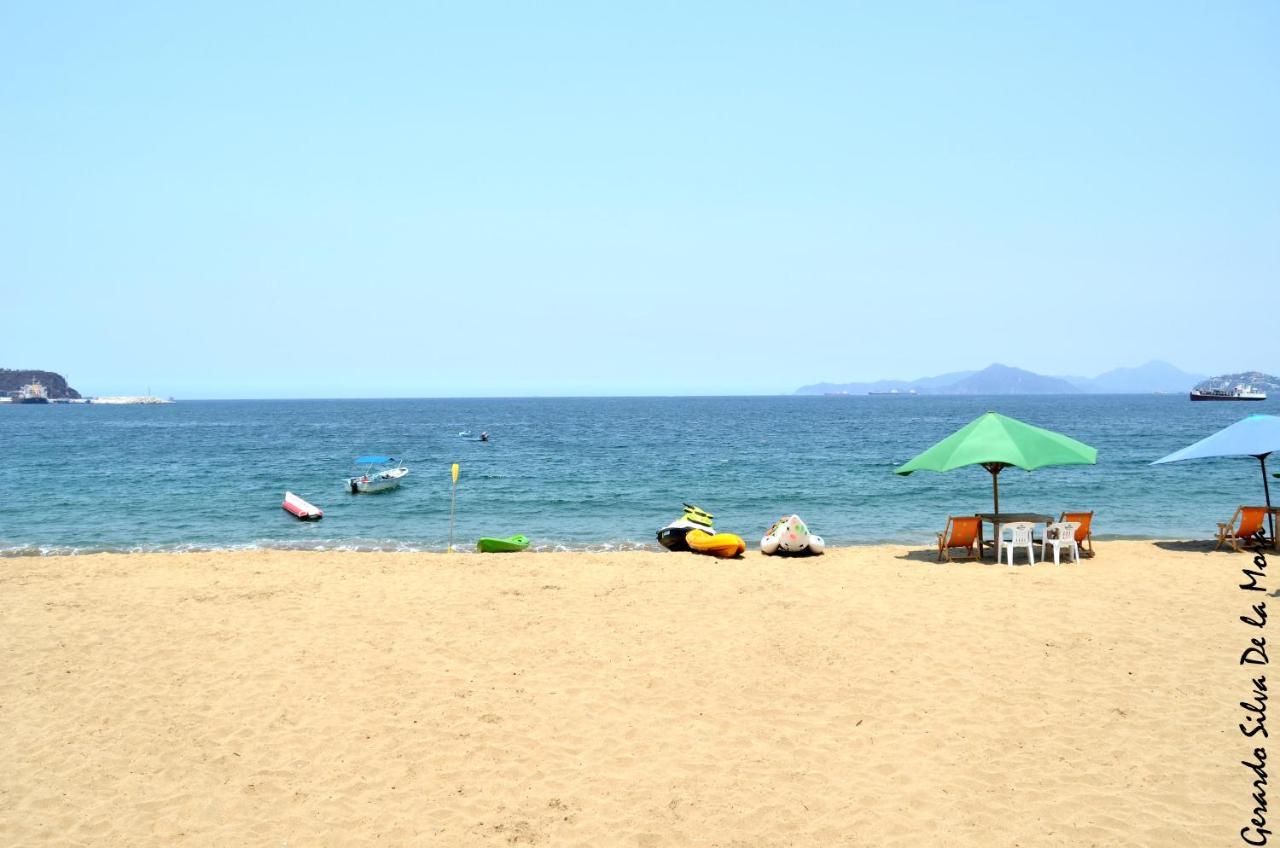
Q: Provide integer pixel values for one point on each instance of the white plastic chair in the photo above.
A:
(1061, 535)
(1020, 537)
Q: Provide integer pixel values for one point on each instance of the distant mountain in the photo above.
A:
(1154, 376)
(942, 380)
(1004, 380)
(54, 384)
(1265, 382)
(922, 384)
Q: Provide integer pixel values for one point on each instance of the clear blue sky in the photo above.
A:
(311, 199)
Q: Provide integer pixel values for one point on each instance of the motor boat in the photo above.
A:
(380, 474)
(300, 509)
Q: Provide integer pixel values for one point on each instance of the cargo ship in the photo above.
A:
(32, 392)
(1238, 392)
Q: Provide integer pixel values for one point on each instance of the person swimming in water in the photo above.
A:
(484, 437)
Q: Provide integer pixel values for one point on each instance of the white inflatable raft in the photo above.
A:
(789, 535)
(296, 506)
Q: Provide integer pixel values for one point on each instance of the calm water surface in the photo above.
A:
(583, 473)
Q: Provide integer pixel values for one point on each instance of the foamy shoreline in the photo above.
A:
(393, 547)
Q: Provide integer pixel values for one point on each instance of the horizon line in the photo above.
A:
(176, 398)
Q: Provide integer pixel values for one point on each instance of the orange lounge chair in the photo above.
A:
(961, 532)
(1084, 533)
(1236, 533)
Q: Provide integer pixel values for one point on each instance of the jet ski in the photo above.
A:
(789, 536)
(672, 537)
(693, 532)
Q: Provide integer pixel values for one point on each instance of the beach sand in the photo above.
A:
(867, 697)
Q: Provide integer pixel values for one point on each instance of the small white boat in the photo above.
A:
(296, 506)
(380, 473)
(789, 535)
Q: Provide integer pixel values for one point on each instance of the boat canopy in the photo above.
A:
(373, 460)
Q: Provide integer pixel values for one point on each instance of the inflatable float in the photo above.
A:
(722, 545)
(789, 536)
(300, 509)
(693, 532)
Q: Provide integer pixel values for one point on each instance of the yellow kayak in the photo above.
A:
(720, 545)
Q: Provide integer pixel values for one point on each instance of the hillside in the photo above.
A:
(922, 384)
(997, 379)
(1152, 377)
(55, 384)
(1257, 379)
(1003, 380)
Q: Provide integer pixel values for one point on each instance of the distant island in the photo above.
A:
(56, 389)
(1256, 379)
(55, 384)
(997, 379)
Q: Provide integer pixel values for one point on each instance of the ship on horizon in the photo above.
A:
(32, 392)
(1237, 392)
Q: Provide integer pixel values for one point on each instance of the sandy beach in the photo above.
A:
(867, 697)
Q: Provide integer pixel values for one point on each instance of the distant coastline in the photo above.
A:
(998, 379)
(995, 380)
(55, 385)
(56, 390)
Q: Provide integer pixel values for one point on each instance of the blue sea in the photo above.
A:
(593, 474)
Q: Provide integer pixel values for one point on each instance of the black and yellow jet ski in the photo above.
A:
(672, 537)
(693, 532)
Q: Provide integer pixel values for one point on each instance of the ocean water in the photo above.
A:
(594, 473)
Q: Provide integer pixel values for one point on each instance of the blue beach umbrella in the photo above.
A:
(1256, 436)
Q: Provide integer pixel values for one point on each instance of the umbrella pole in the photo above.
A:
(995, 468)
(1266, 488)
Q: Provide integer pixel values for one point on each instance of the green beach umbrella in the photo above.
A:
(996, 442)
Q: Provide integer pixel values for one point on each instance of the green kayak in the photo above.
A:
(502, 546)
